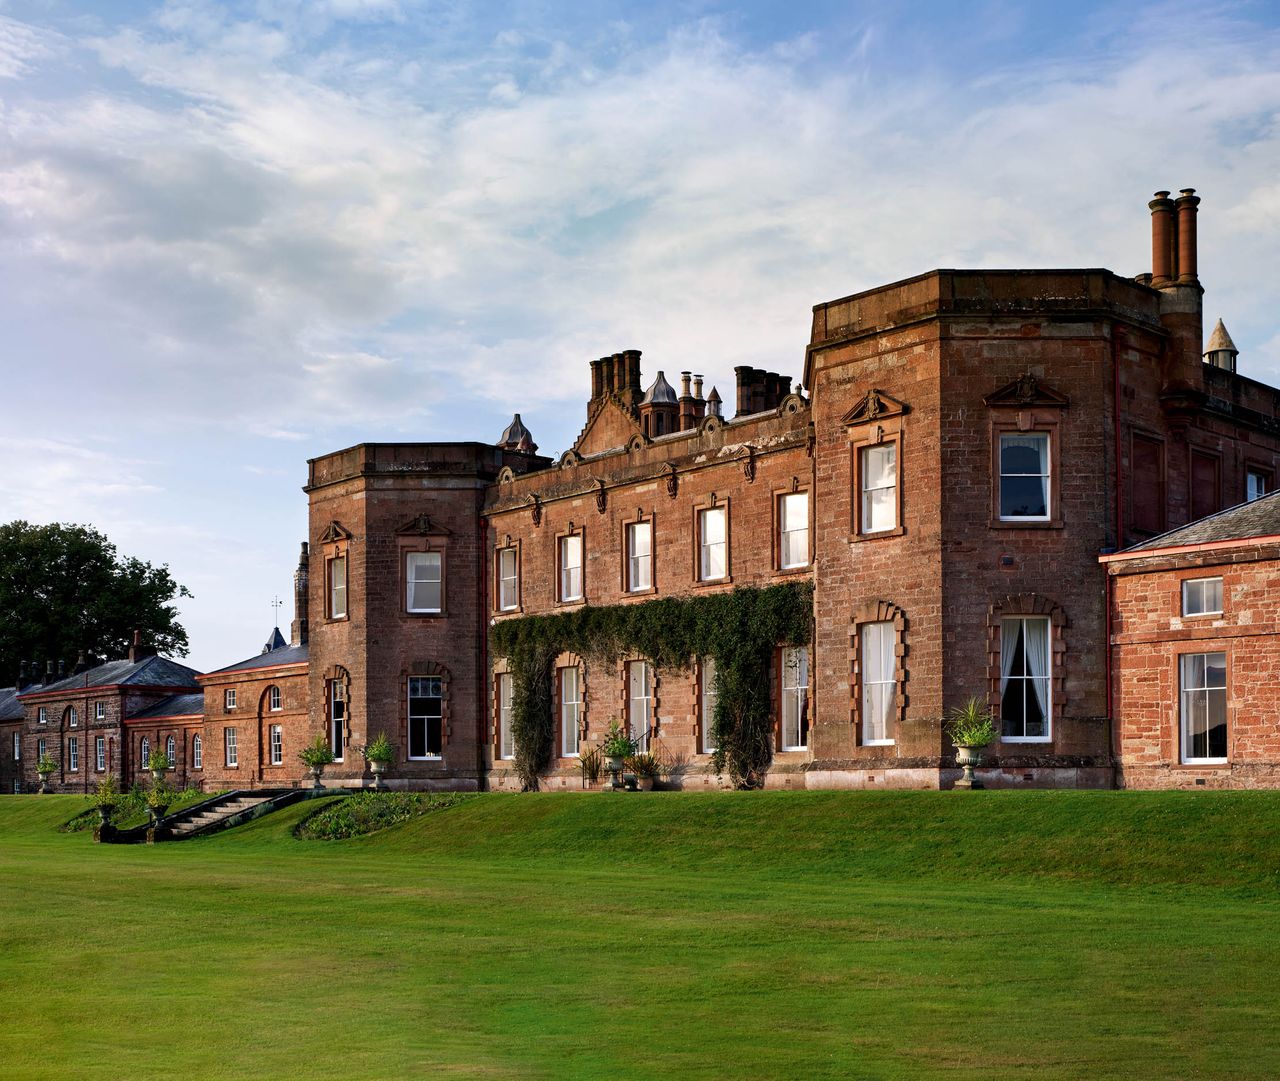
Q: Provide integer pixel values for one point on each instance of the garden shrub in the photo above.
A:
(368, 812)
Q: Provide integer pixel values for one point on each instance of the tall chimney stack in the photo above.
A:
(1187, 203)
(1162, 248)
(298, 633)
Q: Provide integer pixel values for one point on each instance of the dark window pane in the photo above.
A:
(1022, 497)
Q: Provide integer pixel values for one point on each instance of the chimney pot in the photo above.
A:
(697, 386)
(1187, 203)
(1162, 243)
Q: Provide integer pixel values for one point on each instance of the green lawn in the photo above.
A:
(731, 935)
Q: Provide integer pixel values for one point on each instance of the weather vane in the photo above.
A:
(277, 603)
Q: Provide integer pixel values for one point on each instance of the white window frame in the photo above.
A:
(229, 698)
(1204, 690)
(1200, 590)
(707, 697)
(639, 563)
(1255, 484)
(707, 548)
(171, 752)
(197, 752)
(73, 717)
(275, 701)
(275, 743)
(144, 751)
(100, 753)
(425, 718)
(1027, 680)
(337, 719)
(793, 530)
(17, 746)
(569, 680)
(794, 696)
(230, 749)
(337, 589)
(42, 748)
(873, 675)
(567, 545)
(42, 715)
(99, 711)
(640, 705)
(506, 739)
(867, 494)
(73, 754)
(1047, 475)
(414, 562)
(508, 584)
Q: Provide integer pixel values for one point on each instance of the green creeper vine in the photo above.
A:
(739, 629)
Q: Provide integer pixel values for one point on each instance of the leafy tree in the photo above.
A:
(64, 590)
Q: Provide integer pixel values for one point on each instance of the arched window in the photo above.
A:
(274, 704)
(171, 751)
(144, 752)
(197, 753)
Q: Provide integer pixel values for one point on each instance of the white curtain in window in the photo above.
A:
(1009, 631)
(1036, 637)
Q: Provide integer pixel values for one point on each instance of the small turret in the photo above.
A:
(1221, 352)
(517, 437)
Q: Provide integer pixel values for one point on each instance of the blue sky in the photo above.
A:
(234, 236)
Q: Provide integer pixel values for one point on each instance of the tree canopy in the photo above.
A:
(65, 590)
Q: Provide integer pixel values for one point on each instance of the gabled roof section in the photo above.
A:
(10, 707)
(610, 426)
(275, 641)
(875, 405)
(176, 705)
(1259, 518)
(275, 659)
(1027, 392)
(148, 672)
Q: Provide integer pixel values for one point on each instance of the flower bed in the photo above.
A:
(368, 812)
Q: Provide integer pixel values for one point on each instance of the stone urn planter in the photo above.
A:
(378, 768)
(317, 772)
(44, 781)
(157, 775)
(104, 813)
(158, 812)
(614, 763)
(645, 784)
(966, 759)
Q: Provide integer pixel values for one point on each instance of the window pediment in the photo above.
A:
(422, 526)
(1027, 392)
(875, 406)
(334, 532)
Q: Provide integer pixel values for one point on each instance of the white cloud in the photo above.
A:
(312, 224)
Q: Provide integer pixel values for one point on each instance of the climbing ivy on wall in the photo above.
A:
(740, 629)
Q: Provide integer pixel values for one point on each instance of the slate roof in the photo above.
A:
(176, 705)
(276, 641)
(10, 707)
(1260, 518)
(148, 672)
(286, 655)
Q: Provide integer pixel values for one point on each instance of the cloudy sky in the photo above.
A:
(235, 236)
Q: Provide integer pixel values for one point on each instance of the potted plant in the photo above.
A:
(971, 727)
(159, 798)
(105, 798)
(315, 756)
(158, 764)
(647, 769)
(380, 754)
(617, 747)
(46, 768)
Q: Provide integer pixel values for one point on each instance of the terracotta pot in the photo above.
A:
(645, 783)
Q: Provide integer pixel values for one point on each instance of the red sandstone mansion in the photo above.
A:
(975, 472)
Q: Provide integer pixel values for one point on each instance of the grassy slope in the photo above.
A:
(878, 935)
